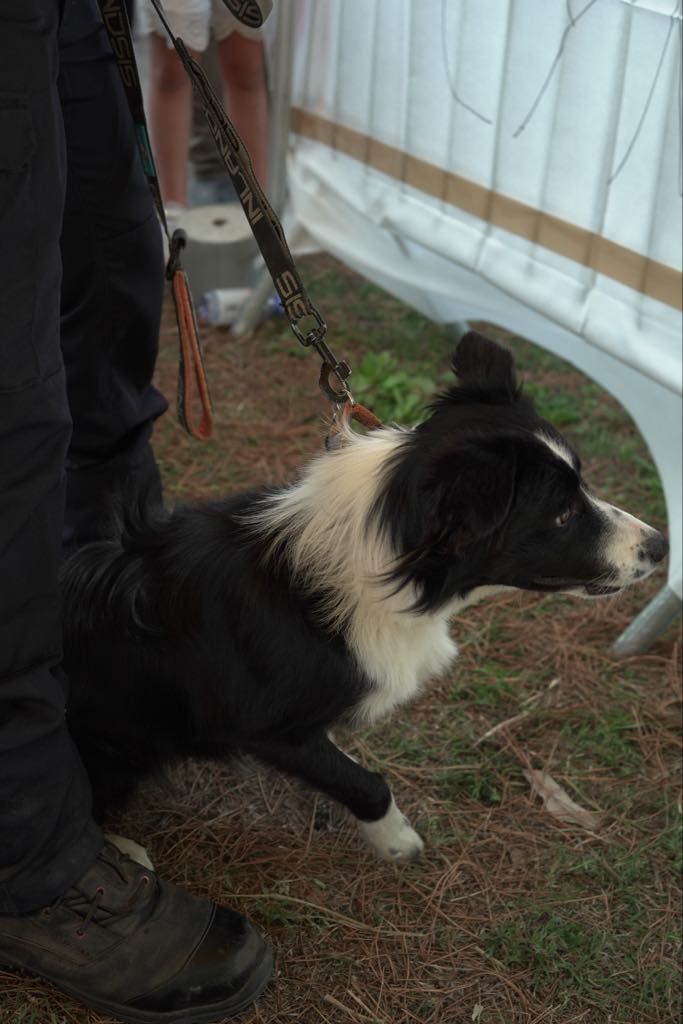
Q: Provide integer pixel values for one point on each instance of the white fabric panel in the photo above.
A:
(569, 106)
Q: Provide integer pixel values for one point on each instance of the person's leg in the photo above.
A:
(73, 909)
(112, 289)
(170, 96)
(170, 101)
(47, 838)
(246, 97)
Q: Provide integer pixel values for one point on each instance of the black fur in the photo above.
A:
(182, 639)
(184, 636)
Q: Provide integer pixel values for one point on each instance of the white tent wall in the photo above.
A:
(516, 161)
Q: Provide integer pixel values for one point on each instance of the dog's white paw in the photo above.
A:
(131, 849)
(392, 836)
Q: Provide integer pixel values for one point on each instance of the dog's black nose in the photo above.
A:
(655, 548)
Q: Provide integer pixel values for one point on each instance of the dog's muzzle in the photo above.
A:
(654, 549)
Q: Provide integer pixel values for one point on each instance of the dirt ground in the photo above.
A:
(512, 916)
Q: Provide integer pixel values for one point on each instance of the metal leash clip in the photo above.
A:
(342, 371)
(176, 243)
(315, 338)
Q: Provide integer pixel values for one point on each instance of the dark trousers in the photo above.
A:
(81, 281)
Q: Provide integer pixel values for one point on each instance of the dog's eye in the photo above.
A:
(565, 516)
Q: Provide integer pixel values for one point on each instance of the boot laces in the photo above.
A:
(87, 905)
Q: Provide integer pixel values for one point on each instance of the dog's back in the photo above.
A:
(182, 638)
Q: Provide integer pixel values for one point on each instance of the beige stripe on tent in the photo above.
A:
(657, 280)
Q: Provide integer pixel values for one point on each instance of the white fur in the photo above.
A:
(392, 837)
(622, 547)
(624, 543)
(331, 543)
(556, 447)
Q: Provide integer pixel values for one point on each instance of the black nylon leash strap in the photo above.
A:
(262, 219)
(115, 17)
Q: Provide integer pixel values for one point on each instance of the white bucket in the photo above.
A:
(220, 247)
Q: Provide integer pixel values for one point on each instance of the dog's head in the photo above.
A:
(487, 493)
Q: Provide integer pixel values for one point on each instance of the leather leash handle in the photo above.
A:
(365, 417)
(350, 411)
(191, 366)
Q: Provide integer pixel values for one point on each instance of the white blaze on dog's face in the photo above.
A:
(632, 549)
(486, 494)
(628, 549)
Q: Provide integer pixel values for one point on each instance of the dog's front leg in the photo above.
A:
(320, 763)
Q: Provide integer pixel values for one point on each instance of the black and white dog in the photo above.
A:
(259, 623)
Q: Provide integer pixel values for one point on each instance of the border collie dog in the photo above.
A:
(258, 623)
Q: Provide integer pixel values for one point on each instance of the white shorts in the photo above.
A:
(191, 20)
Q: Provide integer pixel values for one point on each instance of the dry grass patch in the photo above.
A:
(512, 917)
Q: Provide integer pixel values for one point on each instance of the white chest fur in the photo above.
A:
(335, 545)
(398, 653)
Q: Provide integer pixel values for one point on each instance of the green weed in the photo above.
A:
(559, 407)
(474, 773)
(550, 946)
(488, 684)
(394, 394)
(583, 964)
(561, 939)
(278, 914)
(412, 751)
(480, 785)
(604, 741)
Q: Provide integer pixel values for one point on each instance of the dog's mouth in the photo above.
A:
(594, 588)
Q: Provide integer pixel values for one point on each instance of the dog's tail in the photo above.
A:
(104, 582)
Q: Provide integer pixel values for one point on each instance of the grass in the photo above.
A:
(512, 917)
(395, 394)
(27, 1015)
(605, 740)
(572, 942)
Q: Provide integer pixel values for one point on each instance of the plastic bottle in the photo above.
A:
(221, 306)
(273, 306)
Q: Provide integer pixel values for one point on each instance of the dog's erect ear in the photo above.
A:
(472, 491)
(485, 368)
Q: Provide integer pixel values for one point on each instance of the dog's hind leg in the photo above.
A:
(317, 761)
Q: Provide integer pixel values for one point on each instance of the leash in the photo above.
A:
(340, 420)
(305, 321)
(191, 372)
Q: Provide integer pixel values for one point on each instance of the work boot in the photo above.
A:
(139, 949)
